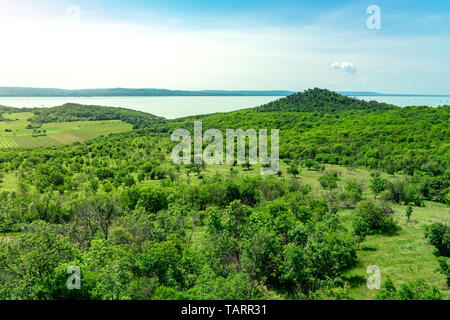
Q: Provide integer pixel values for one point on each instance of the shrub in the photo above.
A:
(293, 169)
(378, 185)
(151, 198)
(438, 234)
(444, 268)
(329, 180)
(412, 290)
(400, 191)
(352, 194)
(378, 217)
(409, 211)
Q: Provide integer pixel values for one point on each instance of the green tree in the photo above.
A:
(293, 169)
(409, 211)
(28, 262)
(329, 180)
(377, 185)
(378, 217)
(438, 234)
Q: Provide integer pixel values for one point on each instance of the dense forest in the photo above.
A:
(141, 227)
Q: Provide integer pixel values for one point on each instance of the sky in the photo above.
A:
(227, 45)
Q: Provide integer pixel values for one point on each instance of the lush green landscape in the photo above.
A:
(360, 184)
(17, 131)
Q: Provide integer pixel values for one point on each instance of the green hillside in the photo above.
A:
(320, 100)
(412, 140)
(360, 184)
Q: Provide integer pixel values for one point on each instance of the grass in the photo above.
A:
(403, 256)
(14, 133)
(9, 182)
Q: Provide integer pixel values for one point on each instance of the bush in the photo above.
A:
(352, 194)
(248, 190)
(412, 290)
(438, 234)
(329, 180)
(409, 211)
(444, 268)
(151, 198)
(377, 185)
(400, 191)
(293, 169)
(377, 217)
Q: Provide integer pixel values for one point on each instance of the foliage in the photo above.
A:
(438, 234)
(140, 227)
(444, 268)
(75, 112)
(412, 290)
(373, 217)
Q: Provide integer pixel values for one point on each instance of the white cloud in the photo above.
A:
(344, 66)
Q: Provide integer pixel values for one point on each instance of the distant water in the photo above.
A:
(167, 107)
(175, 107)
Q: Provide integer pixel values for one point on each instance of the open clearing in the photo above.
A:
(15, 134)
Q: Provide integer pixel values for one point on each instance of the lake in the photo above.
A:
(175, 107)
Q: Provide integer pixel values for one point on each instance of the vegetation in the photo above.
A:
(413, 290)
(438, 234)
(76, 112)
(20, 132)
(141, 227)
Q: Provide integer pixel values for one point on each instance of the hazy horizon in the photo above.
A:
(342, 92)
(256, 45)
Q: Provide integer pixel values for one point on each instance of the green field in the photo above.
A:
(14, 133)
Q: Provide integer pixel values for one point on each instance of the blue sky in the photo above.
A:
(253, 45)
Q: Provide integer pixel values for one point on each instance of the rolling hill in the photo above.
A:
(141, 227)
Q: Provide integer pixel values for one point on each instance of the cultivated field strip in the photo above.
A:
(7, 142)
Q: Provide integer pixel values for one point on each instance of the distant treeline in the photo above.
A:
(51, 92)
(76, 112)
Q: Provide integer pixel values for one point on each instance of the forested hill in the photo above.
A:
(321, 100)
(328, 128)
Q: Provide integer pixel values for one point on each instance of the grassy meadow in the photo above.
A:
(15, 133)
